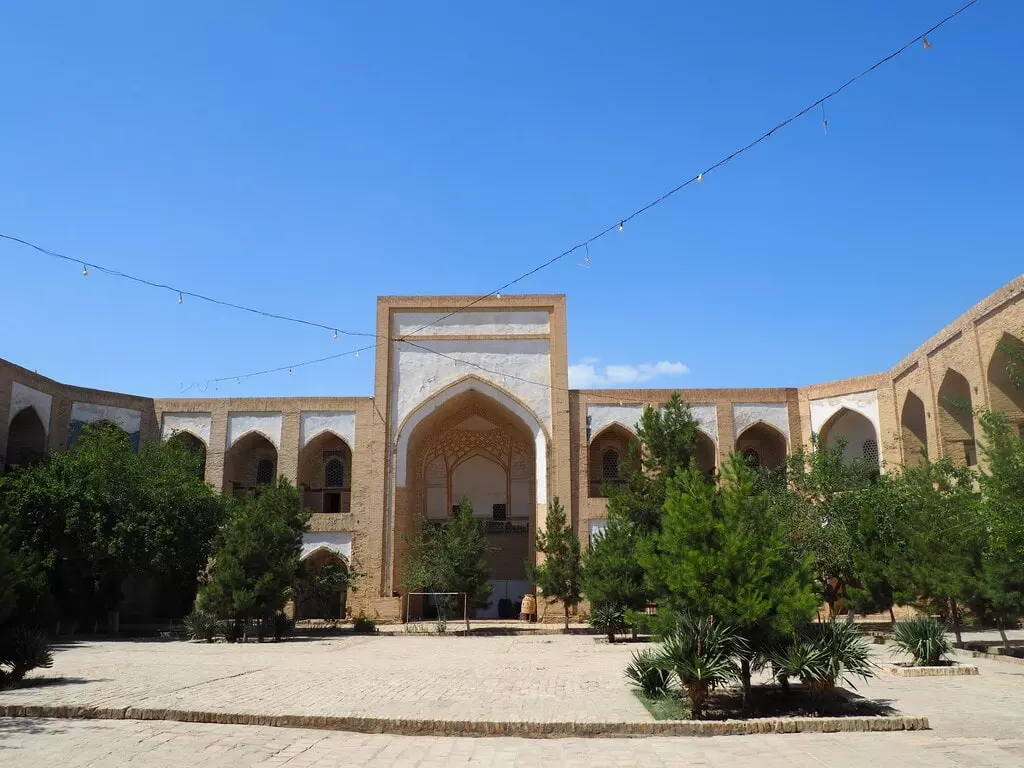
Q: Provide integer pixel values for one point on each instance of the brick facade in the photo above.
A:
(469, 361)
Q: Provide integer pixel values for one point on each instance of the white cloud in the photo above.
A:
(588, 375)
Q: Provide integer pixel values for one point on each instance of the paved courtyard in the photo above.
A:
(976, 721)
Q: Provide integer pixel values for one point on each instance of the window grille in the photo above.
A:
(265, 472)
(499, 512)
(870, 450)
(610, 465)
(752, 457)
(334, 474)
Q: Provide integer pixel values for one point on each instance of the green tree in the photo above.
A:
(723, 552)
(1002, 485)
(101, 512)
(558, 577)
(612, 575)
(943, 532)
(667, 444)
(257, 558)
(319, 583)
(451, 557)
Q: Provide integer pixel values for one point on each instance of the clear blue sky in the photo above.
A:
(306, 157)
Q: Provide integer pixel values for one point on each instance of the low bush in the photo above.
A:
(21, 650)
(282, 626)
(647, 676)
(609, 619)
(363, 625)
(823, 655)
(200, 625)
(923, 638)
(702, 654)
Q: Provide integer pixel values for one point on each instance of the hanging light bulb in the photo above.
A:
(181, 299)
(586, 259)
(289, 371)
(924, 42)
(497, 295)
(335, 335)
(85, 271)
(238, 381)
(357, 353)
(700, 177)
(622, 225)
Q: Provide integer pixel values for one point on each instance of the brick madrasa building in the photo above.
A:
(492, 417)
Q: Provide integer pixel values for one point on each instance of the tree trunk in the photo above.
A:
(892, 616)
(566, 607)
(113, 622)
(955, 618)
(611, 636)
(745, 679)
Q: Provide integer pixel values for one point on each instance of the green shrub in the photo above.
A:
(701, 653)
(923, 638)
(22, 650)
(823, 655)
(608, 618)
(645, 674)
(282, 626)
(363, 625)
(200, 625)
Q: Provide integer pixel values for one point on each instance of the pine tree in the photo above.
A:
(612, 574)
(723, 552)
(257, 559)
(558, 577)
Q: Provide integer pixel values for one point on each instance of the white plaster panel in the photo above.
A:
(196, 423)
(773, 414)
(336, 542)
(864, 403)
(341, 423)
(89, 413)
(23, 397)
(485, 483)
(267, 424)
(417, 373)
(497, 323)
(707, 417)
(600, 416)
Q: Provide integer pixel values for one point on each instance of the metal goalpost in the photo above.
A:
(465, 605)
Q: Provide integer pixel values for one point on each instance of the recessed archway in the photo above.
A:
(1006, 380)
(706, 454)
(472, 445)
(855, 432)
(608, 454)
(762, 445)
(325, 474)
(26, 438)
(251, 462)
(322, 588)
(956, 419)
(914, 431)
(193, 445)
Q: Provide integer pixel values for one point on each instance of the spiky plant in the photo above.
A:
(824, 655)
(923, 638)
(22, 650)
(200, 625)
(702, 654)
(608, 618)
(647, 675)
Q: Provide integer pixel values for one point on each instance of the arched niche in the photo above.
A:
(914, 431)
(855, 432)
(26, 438)
(763, 445)
(325, 474)
(608, 453)
(1006, 380)
(956, 419)
(194, 445)
(251, 462)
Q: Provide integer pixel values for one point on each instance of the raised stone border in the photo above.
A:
(993, 656)
(952, 670)
(482, 728)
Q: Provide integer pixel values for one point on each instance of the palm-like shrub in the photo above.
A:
(923, 638)
(608, 618)
(823, 655)
(200, 625)
(22, 650)
(647, 675)
(702, 655)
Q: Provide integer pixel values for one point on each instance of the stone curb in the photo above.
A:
(956, 670)
(520, 729)
(993, 656)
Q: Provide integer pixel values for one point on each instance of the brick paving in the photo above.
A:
(976, 721)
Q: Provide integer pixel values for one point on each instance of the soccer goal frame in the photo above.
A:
(465, 604)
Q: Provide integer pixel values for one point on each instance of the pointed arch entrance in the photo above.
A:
(26, 438)
(193, 445)
(855, 432)
(914, 431)
(956, 419)
(251, 462)
(762, 445)
(473, 444)
(1006, 380)
(607, 457)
